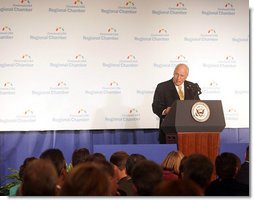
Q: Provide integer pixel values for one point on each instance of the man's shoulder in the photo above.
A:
(188, 82)
(166, 83)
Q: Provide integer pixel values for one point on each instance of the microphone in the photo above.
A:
(195, 89)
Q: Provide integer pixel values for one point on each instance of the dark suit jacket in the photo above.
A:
(243, 174)
(165, 95)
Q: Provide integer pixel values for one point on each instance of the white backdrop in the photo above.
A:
(94, 64)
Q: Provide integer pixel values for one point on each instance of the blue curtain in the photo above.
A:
(16, 146)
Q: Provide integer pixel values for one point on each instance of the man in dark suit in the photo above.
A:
(243, 174)
(166, 93)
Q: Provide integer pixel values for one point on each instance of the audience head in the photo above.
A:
(172, 162)
(132, 160)
(178, 188)
(96, 157)
(56, 157)
(199, 169)
(24, 165)
(108, 168)
(146, 176)
(39, 179)
(86, 179)
(247, 154)
(118, 159)
(79, 156)
(227, 165)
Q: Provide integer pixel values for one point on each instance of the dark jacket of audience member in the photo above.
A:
(243, 174)
(178, 188)
(227, 166)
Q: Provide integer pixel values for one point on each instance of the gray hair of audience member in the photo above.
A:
(39, 179)
(146, 176)
(199, 169)
(132, 160)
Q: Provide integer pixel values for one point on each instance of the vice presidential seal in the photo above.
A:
(200, 111)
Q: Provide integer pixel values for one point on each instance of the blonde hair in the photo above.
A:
(172, 161)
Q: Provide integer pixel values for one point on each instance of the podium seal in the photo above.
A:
(200, 111)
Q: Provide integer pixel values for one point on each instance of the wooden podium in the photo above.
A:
(195, 126)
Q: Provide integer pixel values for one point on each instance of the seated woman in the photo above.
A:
(171, 164)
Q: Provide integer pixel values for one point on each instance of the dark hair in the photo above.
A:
(96, 157)
(132, 160)
(146, 176)
(79, 156)
(198, 168)
(119, 159)
(56, 157)
(86, 179)
(226, 165)
(39, 179)
(24, 165)
(178, 188)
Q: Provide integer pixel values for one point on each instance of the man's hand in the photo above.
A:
(166, 111)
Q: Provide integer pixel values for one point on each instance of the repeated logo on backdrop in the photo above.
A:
(129, 62)
(112, 88)
(79, 55)
(125, 7)
(19, 6)
(78, 61)
(57, 34)
(23, 61)
(225, 10)
(178, 9)
(73, 6)
(110, 34)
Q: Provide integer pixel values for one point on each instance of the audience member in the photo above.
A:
(178, 188)
(171, 164)
(181, 167)
(118, 159)
(15, 188)
(126, 183)
(108, 168)
(227, 166)
(146, 176)
(132, 160)
(198, 168)
(243, 173)
(79, 156)
(96, 157)
(57, 158)
(39, 179)
(86, 179)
